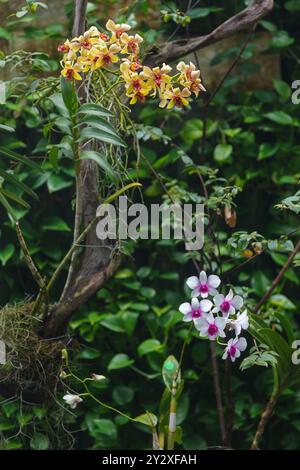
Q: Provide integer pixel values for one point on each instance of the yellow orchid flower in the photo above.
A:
(157, 77)
(138, 95)
(190, 77)
(103, 56)
(174, 97)
(131, 44)
(116, 29)
(134, 83)
(65, 47)
(71, 71)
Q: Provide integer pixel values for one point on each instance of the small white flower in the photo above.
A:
(98, 378)
(203, 285)
(234, 348)
(227, 305)
(240, 323)
(211, 327)
(72, 400)
(195, 309)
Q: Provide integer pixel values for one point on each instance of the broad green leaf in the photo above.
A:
(283, 89)
(6, 253)
(69, 95)
(56, 224)
(94, 110)
(280, 117)
(222, 153)
(149, 419)
(119, 361)
(100, 160)
(99, 123)
(122, 394)
(267, 150)
(281, 39)
(39, 441)
(171, 372)
(102, 136)
(292, 5)
(280, 300)
(148, 346)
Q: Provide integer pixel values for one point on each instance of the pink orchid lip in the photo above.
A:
(212, 329)
(232, 351)
(203, 288)
(196, 313)
(225, 306)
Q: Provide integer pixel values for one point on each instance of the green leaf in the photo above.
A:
(19, 158)
(292, 5)
(94, 133)
(280, 117)
(267, 150)
(5, 128)
(56, 224)
(94, 110)
(148, 346)
(283, 89)
(15, 182)
(222, 153)
(57, 183)
(122, 395)
(101, 161)
(170, 372)
(69, 95)
(7, 206)
(6, 253)
(280, 300)
(39, 441)
(15, 198)
(99, 123)
(281, 39)
(149, 419)
(120, 361)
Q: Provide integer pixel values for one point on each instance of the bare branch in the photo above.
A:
(243, 20)
(278, 277)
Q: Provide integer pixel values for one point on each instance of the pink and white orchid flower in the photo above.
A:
(195, 309)
(211, 327)
(227, 305)
(234, 348)
(240, 323)
(203, 285)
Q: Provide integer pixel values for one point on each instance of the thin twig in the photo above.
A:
(265, 417)
(218, 393)
(30, 263)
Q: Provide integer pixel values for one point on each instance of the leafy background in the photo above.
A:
(133, 324)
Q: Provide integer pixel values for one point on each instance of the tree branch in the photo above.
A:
(89, 271)
(278, 277)
(243, 20)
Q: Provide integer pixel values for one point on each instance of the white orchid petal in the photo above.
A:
(192, 282)
(214, 281)
(185, 308)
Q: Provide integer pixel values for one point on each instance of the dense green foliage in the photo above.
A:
(250, 163)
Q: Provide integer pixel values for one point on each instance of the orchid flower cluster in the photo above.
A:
(97, 50)
(218, 317)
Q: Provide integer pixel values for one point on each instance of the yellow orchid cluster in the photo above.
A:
(97, 50)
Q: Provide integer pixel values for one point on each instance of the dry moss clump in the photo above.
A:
(32, 362)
